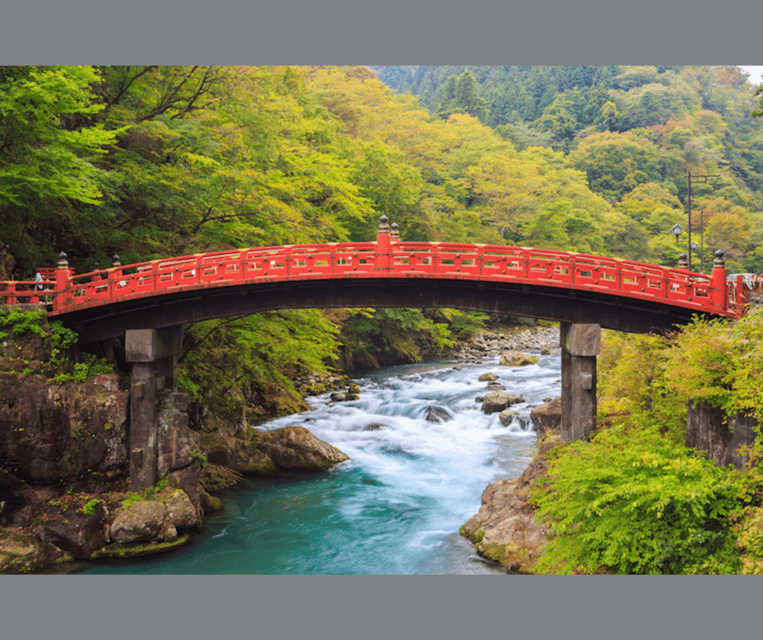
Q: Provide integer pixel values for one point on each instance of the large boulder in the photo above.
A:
(516, 359)
(75, 525)
(505, 529)
(547, 418)
(496, 401)
(238, 454)
(140, 521)
(297, 449)
(181, 511)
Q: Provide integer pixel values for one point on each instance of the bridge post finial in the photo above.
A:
(720, 293)
(683, 261)
(394, 232)
(116, 261)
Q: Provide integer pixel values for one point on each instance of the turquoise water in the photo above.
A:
(396, 506)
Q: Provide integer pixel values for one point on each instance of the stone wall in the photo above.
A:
(709, 430)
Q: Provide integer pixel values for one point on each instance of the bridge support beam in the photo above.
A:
(581, 344)
(153, 354)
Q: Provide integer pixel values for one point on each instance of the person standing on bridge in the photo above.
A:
(38, 278)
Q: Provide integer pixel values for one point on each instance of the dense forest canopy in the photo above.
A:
(153, 161)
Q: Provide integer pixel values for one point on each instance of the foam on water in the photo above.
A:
(397, 504)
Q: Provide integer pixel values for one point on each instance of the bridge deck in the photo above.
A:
(387, 262)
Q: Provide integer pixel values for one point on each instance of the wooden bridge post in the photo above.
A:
(581, 344)
(62, 280)
(153, 354)
(383, 245)
(720, 288)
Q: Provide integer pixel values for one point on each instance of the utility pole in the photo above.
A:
(689, 179)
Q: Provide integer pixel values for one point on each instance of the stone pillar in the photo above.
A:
(581, 343)
(153, 354)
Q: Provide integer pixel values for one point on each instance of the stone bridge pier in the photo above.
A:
(153, 354)
(581, 344)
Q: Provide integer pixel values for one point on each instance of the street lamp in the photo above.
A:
(689, 179)
(677, 230)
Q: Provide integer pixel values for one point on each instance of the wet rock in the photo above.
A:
(547, 418)
(436, 414)
(210, 504)
(344, 396)
(487, 377)
(516, 359)
(139, 522)
(22, 553)
(297, 449)
(239, 454)
(496, 401)
(496, 386)
(215, 477)
(375, 427)
(73, 528)
(505, 529)
(181, 511)
(507, 416)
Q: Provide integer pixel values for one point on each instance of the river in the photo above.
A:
(396, 506)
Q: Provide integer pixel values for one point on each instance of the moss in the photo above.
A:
(139, 549)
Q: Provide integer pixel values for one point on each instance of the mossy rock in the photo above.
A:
(125, 551)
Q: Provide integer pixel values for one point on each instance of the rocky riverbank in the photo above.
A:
(63, 461)
(63, 446)
(505, 529)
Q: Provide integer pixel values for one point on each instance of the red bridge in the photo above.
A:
(147, 304)
(539, 283)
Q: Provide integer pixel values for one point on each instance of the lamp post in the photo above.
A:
(703, 178)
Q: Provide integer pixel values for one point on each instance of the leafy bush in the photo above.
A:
(640, 505)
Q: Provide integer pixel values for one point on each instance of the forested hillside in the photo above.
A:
(635, 132)
(155, 161)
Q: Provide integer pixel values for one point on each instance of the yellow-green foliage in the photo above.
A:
(635, 499)
(633, 387)
(637, 503)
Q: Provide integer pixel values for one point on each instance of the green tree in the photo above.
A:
(51, 150)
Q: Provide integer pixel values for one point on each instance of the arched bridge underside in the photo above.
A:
(530, 300)
(546, 284)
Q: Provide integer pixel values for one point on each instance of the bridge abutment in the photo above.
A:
(153, 354)
(581, 344)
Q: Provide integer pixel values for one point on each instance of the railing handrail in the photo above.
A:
(397, 259)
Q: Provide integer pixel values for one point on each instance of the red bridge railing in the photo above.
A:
(389, 257)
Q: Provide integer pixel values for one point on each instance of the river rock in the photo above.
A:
(436, 414)
(547, 418)
(181, 511)
(67, 526)
(505, 529)
(516, 359)
(506, 416)
(238, 454)
(495, 386)
(496, 401)
(22, 553)
(487, 377)
(297, 449)
(141, 521)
